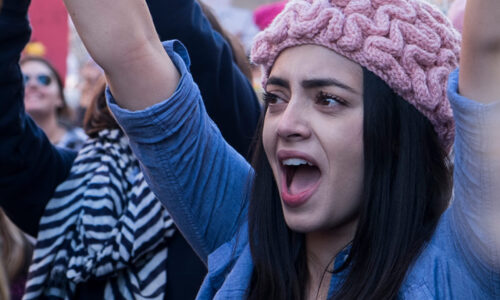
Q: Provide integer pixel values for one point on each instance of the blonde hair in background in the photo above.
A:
(15, 251)
(4, 282)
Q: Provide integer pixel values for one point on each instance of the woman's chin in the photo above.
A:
(37, 113)
(300, 226)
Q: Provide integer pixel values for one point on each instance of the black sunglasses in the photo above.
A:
(42, 79)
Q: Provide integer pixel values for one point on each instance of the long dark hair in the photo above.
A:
(98, 116)
(407, 184)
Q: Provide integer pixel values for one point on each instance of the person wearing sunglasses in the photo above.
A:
(45, 103)
(42, 79)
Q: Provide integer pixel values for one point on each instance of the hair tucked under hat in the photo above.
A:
(410, 44)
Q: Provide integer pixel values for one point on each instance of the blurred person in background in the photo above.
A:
(236, 19)
(90, 73)
(45, 102)
(104, 226)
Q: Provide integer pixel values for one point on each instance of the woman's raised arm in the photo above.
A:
(227, 94)
(475, 97)
(120, 36)
(30, 166)
(193, 172)
(480, 54)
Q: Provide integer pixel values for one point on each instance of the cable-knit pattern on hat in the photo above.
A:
(410, 44)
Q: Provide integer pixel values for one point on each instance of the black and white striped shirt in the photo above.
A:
(102, 223)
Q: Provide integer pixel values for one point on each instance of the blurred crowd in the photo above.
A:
(68, 104)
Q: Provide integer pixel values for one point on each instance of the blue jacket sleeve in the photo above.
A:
(474, 215)
(227, 94)
(31, 167)
(203, 182)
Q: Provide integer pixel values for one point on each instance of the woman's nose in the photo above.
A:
(293, 123)
(30, 81)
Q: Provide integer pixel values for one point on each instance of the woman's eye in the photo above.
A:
(270, 98)
(329, 100)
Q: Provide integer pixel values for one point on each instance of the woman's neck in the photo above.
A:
(51, 127)
(321, 250)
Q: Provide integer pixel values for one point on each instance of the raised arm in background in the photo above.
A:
(227, 94)
(30, 166)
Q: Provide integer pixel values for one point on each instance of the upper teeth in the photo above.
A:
(296, 162)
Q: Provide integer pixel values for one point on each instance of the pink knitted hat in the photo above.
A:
(410, 44)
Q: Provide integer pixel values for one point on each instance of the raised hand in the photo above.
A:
(121, 38)
(480, 56)
(479, 80)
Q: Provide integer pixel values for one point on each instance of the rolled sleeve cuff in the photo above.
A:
(472, 118)
(465, 111)
(155, 122)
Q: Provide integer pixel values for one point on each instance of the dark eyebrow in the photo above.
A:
(322, 82)
(278, 81)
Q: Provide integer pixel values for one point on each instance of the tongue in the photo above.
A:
(304, 178)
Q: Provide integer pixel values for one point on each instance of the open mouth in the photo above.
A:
(301, 175)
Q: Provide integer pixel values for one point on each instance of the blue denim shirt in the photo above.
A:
(204, 184)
